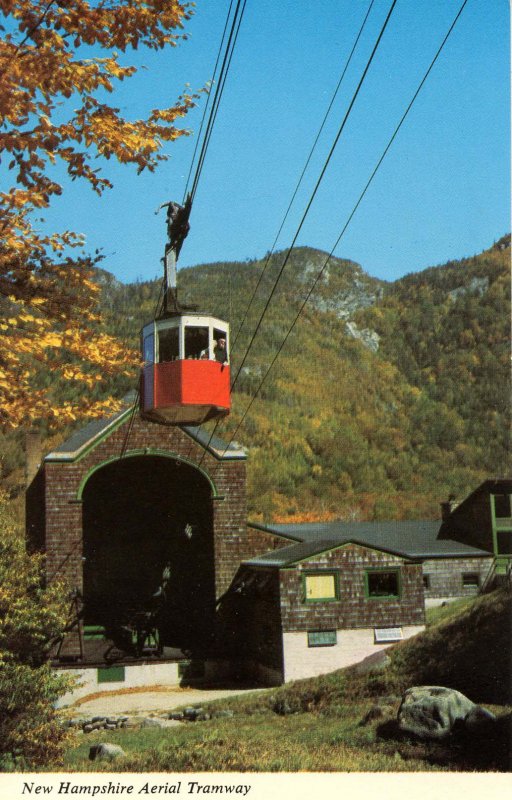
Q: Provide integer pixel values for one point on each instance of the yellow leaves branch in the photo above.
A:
(47, 297)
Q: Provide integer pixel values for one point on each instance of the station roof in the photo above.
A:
(84, 439)
(412, 539)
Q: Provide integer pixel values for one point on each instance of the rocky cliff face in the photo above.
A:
(343, 289)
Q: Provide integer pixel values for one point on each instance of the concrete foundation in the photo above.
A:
(135, 675)
(301, 661)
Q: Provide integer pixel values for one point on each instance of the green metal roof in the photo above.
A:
(85, 439)
(412, 539)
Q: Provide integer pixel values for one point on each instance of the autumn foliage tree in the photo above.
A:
(32, 618)
(59, 60)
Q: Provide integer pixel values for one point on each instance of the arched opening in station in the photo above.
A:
(148, 555)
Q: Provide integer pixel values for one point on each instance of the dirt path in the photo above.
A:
(145, 700)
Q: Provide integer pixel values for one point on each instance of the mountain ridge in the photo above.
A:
(353, 418)
(387, 396)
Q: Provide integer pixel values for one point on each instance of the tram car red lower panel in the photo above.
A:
(185, 391)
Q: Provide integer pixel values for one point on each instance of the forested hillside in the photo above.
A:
(448, 331)
(385, 397)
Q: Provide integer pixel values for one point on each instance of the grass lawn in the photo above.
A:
(320, 724)
(270, 742)
(449, 611)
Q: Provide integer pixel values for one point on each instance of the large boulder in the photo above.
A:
(152, 722)
(158, 722)
(374, 663)
(105, 751)
(432, 712)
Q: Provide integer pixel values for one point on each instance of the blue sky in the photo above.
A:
(442, 193)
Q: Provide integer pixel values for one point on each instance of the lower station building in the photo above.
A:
(147, 524)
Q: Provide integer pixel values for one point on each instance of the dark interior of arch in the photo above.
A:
(148, 550)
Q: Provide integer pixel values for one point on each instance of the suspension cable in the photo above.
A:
(315, 190)
(212, 83)
(299, 182)
(331, 152)
(226, 63)
(213, 113)
(351, 215)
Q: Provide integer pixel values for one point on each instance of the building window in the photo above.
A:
(386, 635)
(470, 580)
(322, 638)
(320, 586)
(504, 540)
(382, 584)
(110, 674)
(426, 581)
(502, 506)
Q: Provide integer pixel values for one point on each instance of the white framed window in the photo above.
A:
(386, 635)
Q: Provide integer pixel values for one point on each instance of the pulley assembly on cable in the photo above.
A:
(185, 378)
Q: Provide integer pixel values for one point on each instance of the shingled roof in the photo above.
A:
(91, 434)
(413, 539)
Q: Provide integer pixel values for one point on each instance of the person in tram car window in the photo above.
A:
(220, 351)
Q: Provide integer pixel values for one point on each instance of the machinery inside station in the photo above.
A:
(148, 557)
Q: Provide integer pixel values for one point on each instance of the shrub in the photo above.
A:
(32, 617)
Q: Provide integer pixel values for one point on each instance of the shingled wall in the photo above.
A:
(56, 524)
(352, 609)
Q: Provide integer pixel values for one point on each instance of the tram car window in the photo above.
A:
(149, 349)
(196, 342)
(220, 346)
(168, 344)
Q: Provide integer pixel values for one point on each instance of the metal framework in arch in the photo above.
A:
(147, 451)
